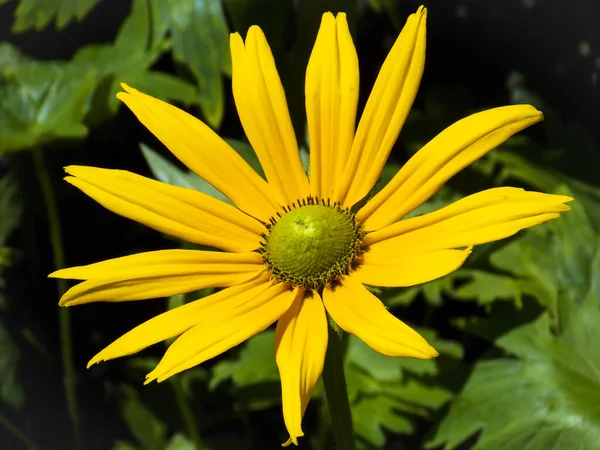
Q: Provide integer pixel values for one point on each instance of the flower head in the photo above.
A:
(292, 249)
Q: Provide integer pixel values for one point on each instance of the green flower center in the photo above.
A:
(312, 244)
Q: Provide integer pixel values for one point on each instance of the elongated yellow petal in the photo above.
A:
(479, 218)
(447, 154)
(385, 112)
(410, 270)
(157, 274)
(359, 312)
(204, 152)
(300, 347)
(180, 212)
(263, 111)
(332, 82)
(176, 321)
(221, 330)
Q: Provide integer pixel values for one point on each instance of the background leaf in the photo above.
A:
(201, 42)
(167, 172)
(41, 101)
(547, 399)
(389, 393)
(146, 428)
(38, 14)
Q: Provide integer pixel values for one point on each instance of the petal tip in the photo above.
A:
(255, 32)
(127, 88)
(95, 360)
(69, 169)
(566, 199)
(432, 352)
(292, 440)
(154, 376)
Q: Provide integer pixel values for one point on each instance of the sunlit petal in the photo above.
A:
(359, 312)
(332, 82)
(300, 346)
(410, 270)
(448, 153)
(385, 112)
(263, 111)
(223, 328)
(204, 152)
(178, 320)
(180, 212)
(157, 274)
(479, 218)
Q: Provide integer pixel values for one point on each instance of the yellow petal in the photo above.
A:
(359, 312)
(300, 347)
(176, 321)
(385, 112)
(331, 88)
(223, 329)
(263, 111)
(447, 154)
(479, 218)
(408, 270)
(157, 274)
(180, 212)
(204, 152)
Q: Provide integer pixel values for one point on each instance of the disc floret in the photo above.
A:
(311, 243)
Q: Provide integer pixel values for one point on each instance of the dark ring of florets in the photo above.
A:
(342, 267)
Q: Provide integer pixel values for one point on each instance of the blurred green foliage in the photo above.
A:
(11, 392)
(37, 14)
(516, 326)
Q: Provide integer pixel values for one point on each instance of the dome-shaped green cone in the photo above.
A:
(311, 245)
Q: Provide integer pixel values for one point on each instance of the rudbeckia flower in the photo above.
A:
(293, 249)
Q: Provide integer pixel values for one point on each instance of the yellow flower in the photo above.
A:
(293, 249)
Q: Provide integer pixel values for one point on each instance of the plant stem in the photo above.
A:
(337, 394)
(64, 315)
(186, 413)
(9, 426)
(324, 434)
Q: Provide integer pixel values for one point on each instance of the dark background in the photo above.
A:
(477, 43)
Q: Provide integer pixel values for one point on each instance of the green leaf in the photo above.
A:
(139, 43)
(255, 363)
(10, 207)
(148, 431)
(547, 399)
(41, 101)
(513, 166)
(388, 393)
(37, 14)
(167, 172)
(200, 38)
(180, 442)
(120, 445)
(552, 258)
(253, 373)
(164, 85)
(488, 287)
